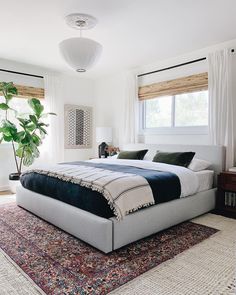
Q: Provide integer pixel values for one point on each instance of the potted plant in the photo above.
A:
(25, 136)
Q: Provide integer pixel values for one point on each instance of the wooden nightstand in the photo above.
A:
(226, 194)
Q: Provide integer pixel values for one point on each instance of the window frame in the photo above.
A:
(188, 130)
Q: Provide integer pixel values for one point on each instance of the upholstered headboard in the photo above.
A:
(212, 153)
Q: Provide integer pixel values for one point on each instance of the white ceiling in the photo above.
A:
(133, 32)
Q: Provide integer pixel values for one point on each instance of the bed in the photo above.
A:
(108, 234)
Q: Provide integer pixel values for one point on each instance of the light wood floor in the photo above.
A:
(4, 199)
(4, 193)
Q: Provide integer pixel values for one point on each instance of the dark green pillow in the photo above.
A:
(179, 159)
(132, 155)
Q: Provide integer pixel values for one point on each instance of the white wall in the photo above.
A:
(6, 166)
(73, 90)
(109, 105)
(110, 95)
(76, 91)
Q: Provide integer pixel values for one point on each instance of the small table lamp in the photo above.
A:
(103, 135)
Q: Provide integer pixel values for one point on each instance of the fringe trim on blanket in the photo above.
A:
(93, 187)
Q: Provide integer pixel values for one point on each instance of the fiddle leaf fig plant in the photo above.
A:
(27, 135)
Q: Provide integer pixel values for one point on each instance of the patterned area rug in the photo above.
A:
(61, 264)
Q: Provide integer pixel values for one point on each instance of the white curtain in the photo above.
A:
(52, 148)
(131, 109)
(221, 123)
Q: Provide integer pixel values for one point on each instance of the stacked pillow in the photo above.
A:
(198, 165)
(132, 155)
(179, 159)
(185, 159)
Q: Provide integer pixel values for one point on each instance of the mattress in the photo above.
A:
(205, 179)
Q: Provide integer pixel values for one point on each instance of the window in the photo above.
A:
(178, 113)
(158, 112)
(191, 109)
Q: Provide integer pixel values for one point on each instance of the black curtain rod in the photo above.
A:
(20, 73)
(172, 67)
(175, 66)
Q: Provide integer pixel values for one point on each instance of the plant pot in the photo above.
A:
(14, 181)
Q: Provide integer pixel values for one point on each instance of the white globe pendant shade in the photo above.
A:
(80, 53)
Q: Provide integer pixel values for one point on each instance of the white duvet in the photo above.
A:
(188, 179)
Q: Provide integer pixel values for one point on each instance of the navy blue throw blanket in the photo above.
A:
(165, 187)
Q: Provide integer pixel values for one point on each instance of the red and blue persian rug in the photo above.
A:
(61, 264)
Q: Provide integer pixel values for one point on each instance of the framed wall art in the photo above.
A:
(78, 127)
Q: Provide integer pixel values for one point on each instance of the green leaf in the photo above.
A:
(19, 152)
(30, 127)
(42, 134)
(28, 159)
(36, 139)
(36, 106)
(9, 86)
(7, 138)
(19, 136)
(33, 119)
(34, 150)
(12, 89)
(23, 121)
(26, 139)
(8, 89)
(8, 128)
(43, 130)
(42, 124)
(8, 97)
(4, 106)
(30, 153)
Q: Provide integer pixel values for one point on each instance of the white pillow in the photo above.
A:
(198, 165)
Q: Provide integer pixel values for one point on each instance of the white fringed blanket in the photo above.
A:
(124, 192)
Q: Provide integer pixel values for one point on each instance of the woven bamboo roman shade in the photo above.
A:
(187, 84)
(29, 92)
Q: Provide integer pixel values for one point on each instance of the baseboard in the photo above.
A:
(4, 188)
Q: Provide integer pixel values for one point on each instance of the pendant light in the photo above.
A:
(80, 53)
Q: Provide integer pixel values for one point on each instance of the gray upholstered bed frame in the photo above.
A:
(110, 234)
